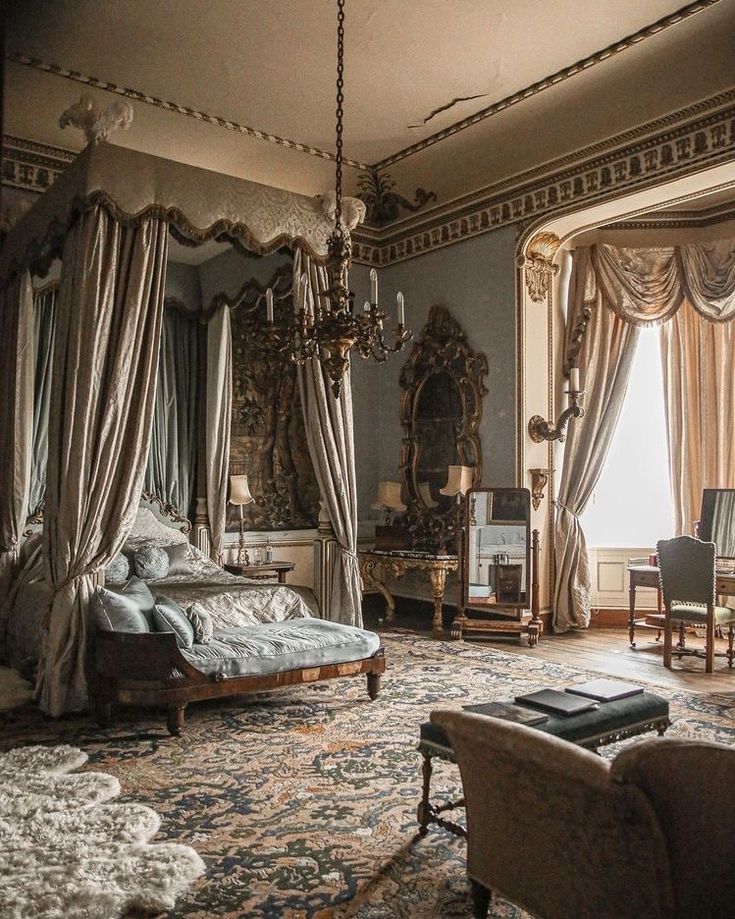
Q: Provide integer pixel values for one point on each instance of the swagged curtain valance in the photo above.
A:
(108, 216)
(648, 286)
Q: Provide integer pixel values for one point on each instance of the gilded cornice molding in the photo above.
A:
(30, 165)
(680, 219)
(681, 143)
(177, 107)
(690, 9)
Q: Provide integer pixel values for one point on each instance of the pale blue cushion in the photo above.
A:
(118, 570)
(151, 562)
(124, 609)
(168, 616)
(201, 622)
(274, 647)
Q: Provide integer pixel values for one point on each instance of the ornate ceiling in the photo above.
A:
(267, 70)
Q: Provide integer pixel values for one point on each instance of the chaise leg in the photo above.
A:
(175, 719)
(373, 685)
(481, 897)
(103, 713)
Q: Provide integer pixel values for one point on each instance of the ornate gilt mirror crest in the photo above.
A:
(441, 408)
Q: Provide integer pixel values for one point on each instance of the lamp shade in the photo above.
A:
(240, 490)
(425, 495)
(459, 480)
(389, 495)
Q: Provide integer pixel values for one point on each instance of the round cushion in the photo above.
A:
(151, 562)
(118, 569)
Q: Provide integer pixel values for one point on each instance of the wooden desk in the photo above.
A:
(377, 565)
(648, 576)
(268, 571)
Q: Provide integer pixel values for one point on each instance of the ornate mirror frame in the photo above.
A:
(442, 349)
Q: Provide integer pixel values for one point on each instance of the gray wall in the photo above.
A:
(475, 281)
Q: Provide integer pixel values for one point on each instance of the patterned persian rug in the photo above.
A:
(66, 852)
(302, 803)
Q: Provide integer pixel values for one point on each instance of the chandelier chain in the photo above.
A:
(340, 109)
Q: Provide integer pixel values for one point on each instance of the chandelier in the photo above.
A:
(326, 326)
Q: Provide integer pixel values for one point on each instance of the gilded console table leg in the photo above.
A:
(438, 578)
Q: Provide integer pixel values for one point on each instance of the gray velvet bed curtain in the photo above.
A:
(218, 416)
(44, 326)
(329, 434)
(171, 469)
(16, 414)
(105, 359)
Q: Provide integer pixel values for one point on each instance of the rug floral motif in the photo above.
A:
(302, 803)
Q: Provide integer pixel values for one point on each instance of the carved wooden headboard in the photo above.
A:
(164, 512)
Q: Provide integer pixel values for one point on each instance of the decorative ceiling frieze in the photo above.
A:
(685, 142)
(384, 204)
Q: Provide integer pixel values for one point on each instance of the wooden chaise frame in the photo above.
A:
(148, 669)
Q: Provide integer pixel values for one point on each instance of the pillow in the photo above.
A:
(168, 616)
(178, 558)
(201, 622)
(118, 569)
(150, 562)
(128, 609)
(148, 530)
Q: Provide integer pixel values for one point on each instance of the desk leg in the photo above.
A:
(390, 603)
(631, 618)
(438, 578)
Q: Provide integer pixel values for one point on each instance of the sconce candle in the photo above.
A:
(574, 379)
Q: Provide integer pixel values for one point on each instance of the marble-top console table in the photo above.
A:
(379, 565)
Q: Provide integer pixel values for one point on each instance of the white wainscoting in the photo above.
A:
(609, 576)
(295, 546)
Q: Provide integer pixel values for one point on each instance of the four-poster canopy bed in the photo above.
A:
(108, 219)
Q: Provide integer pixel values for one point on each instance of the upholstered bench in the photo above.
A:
(145, 652)
(611, 722)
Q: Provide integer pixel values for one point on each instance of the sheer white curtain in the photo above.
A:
(329, 434)
(218, 414)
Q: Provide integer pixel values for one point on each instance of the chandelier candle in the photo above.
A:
(269, 304)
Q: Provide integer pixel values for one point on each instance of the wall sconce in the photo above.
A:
(540, 430)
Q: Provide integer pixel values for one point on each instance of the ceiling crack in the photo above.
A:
(443, 108)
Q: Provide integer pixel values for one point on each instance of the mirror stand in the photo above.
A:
(498, 566)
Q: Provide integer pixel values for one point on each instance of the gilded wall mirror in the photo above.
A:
(441, 408)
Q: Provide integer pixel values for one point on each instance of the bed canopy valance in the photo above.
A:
(197, 205)
(108, 219)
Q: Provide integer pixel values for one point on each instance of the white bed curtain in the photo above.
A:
(329, 434)
(218, 414)
(105, 358)
(44, 325)
(171, 468)
(16, 418)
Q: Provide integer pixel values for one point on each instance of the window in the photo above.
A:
(632, 505)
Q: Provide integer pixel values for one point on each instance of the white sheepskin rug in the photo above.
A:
(14, 690)
(66, 853)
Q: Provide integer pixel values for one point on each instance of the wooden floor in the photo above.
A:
(603, 650)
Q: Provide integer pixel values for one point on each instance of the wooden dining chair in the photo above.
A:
(687, 573)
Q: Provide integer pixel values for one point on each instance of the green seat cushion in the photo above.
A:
(692, 613)
(274, 647)
(607, 719)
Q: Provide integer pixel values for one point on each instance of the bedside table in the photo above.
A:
(268, 571)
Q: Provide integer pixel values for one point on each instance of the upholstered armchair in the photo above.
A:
(687, 572)
(563, 833)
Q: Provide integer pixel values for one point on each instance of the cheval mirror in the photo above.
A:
(499, 562)
(717, 521)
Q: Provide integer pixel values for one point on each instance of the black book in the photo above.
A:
(558, 703)
(508, 712)
(605, 690)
